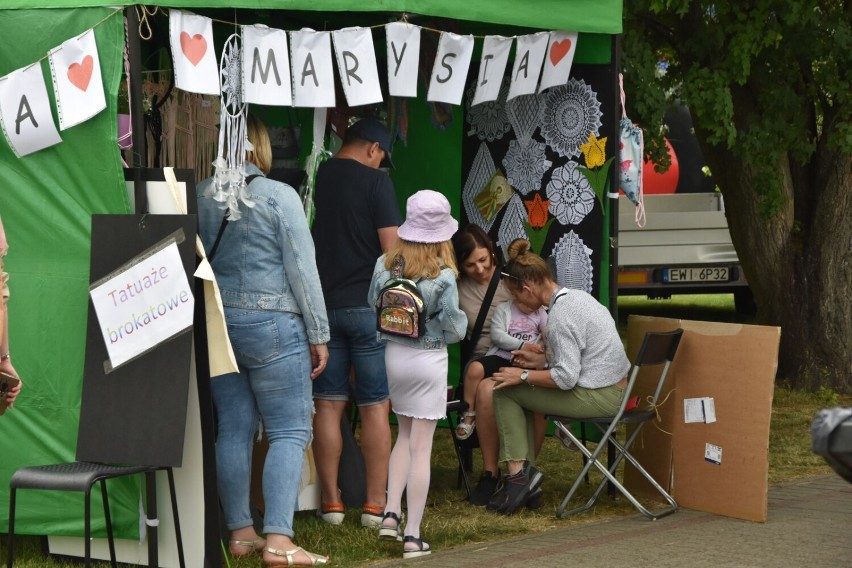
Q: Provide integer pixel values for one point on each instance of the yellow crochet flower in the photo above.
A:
(594, 151)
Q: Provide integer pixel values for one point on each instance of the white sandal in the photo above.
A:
(467, 429)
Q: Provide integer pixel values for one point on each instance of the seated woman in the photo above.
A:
(582, 373)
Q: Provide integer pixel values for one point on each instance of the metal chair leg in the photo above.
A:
(108, 519)
(10, 555)
(178, 538)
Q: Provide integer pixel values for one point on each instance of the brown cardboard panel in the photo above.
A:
(735, 365)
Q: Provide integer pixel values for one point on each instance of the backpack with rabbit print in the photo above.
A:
(400, 306)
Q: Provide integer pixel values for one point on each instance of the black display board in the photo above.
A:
(136, 413)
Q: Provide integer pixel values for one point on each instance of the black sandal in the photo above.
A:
(391, 533)
(422, 549)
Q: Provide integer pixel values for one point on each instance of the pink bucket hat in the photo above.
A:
(427, 218)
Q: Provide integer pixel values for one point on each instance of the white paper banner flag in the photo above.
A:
(25, 111)
(356, 63)
(528, 57)
(313, 75)
(450, 71)
(143, 304)
(266, 66)
(495, 55)
(191, 39)
(403, 58)
(76, 70)
(557, 62)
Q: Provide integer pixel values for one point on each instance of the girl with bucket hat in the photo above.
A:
(417, 367)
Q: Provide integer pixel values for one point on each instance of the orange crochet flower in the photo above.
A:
(537, 211)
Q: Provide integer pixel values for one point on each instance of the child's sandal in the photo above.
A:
(387, 532)
(465, 430)
(422, 549)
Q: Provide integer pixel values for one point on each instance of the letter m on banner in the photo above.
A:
(266, 66)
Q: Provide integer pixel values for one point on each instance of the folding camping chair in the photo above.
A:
(658, 348)
(463, 448)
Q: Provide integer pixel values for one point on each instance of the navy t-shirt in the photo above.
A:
(353, 202)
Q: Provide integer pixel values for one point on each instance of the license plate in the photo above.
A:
(711, 274)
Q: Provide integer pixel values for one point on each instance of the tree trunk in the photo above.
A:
(798, 261)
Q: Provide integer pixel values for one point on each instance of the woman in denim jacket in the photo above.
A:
(277, 324)
(417, 368)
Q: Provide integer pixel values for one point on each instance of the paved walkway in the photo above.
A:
(809, 525)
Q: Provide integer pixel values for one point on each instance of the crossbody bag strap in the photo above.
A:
(480, 318)
(224, 224)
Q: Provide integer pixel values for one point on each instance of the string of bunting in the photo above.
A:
(283, 68)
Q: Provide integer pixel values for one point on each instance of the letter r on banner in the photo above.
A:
(356, 63)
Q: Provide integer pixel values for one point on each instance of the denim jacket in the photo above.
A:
(265, 259)
(445, 322)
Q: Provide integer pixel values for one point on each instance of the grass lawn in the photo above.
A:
(449, 521)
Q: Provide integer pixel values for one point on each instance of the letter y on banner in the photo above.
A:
(557, 62)
(356, 63)
(403, 58)
(191, 39)
(266, 66)
(76, 71)
(450, 71)
(25, 111)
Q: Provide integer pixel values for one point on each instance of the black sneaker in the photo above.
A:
(514, 490)
(484, 489)
(534, 500)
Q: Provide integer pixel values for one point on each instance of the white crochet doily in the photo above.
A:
(488, 120)
(526, 165)
(571, 113)
(481, 172)
(573, 262)
(512, 226)
(570, 194)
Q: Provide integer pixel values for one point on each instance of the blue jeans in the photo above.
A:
(353, 343)
(273, 383)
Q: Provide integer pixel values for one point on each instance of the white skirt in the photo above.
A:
(417, 380)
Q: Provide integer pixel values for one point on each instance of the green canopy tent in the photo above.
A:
(47, 198)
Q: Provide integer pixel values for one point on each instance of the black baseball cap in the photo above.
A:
(372, 130)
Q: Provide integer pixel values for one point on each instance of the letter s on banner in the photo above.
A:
(450, 71)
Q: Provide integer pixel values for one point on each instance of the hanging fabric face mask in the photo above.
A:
(632, 156)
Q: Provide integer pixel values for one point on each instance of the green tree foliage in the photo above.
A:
(768, 83)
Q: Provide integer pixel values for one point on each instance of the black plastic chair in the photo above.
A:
(658, 348)
(81, 476)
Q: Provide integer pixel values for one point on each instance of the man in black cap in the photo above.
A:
(356, 219)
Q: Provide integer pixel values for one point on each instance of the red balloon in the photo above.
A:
(656, 183)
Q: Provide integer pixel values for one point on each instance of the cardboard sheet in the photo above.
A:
(719, 467)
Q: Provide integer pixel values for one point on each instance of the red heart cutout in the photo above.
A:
(81, 73)
(193, 47)
(558, 50)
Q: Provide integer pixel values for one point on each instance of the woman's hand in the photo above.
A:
(528, 359)
(533, 348)
(12, 393)
(507, 377)
(319, 358)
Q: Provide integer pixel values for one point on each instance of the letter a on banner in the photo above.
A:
(528, 58)
(266, 66)
(495, 55)
(356, 63)
(558, 59)
(403, 58)
(77, 83)
(191, 40)
(450, 71)
(313, 76)
(25, 111)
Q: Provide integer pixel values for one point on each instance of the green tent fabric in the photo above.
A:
(47, 199)
(601, 16)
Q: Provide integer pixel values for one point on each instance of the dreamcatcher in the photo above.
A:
(229, 180)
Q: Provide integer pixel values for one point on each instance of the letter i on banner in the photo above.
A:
(25, 111)
(356, 63)
(266, 66)
(495, 55)
(528, 58)
(450, 71)
(191, 40)
(76, 71)
(403, 58)
(313, 75)
(558, 60)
